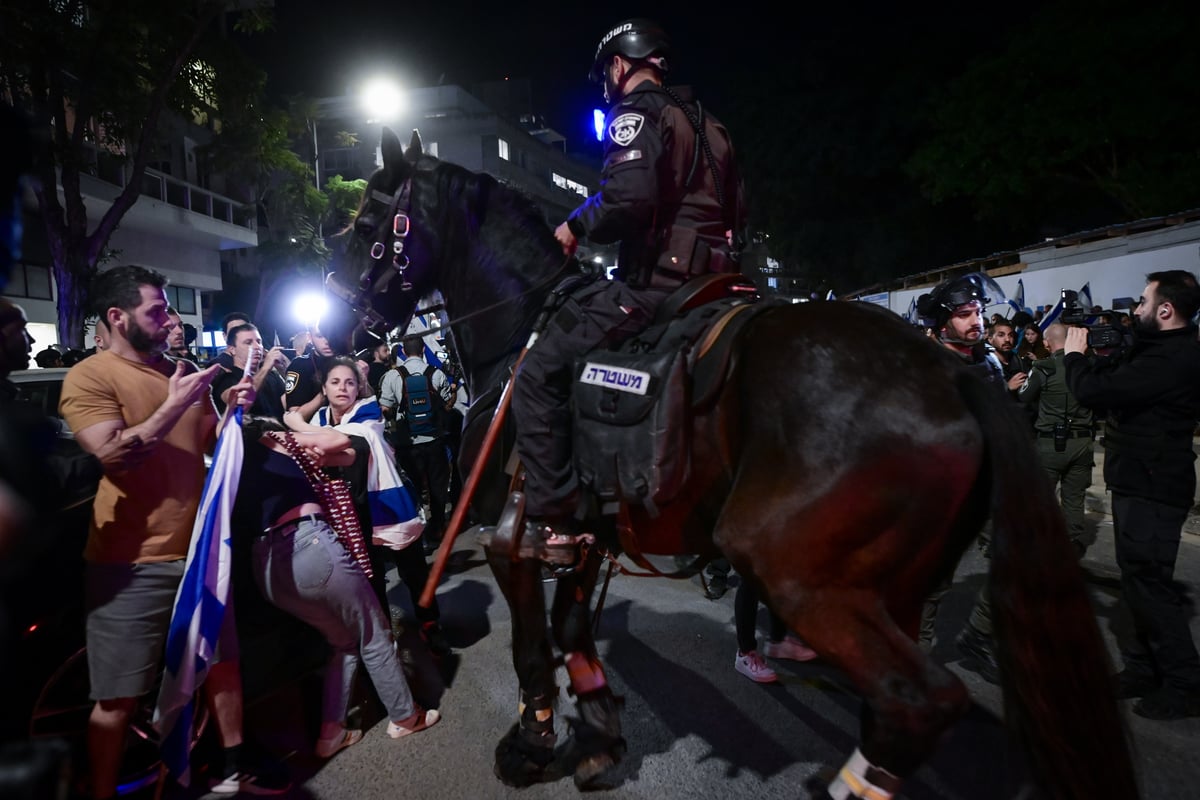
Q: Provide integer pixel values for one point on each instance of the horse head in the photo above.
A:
(391, 253)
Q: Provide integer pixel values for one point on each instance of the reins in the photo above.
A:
(500, 303)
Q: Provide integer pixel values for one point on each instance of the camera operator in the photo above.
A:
(1152, 393)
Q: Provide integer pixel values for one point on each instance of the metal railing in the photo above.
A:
(173, 191)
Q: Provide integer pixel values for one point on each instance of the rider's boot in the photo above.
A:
(555, 542)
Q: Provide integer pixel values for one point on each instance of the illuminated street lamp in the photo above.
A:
(382, 100)
(308, 308)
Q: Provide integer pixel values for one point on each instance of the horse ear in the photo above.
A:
(414, 146)
(392, 150)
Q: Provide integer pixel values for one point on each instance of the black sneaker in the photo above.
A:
(1167, 703)
(431, 632)
(717, 587)
(1132, 684)
(258, 779)
(977, 647)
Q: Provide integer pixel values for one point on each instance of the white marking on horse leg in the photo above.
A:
(859, 778)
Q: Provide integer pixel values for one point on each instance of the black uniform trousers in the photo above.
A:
(601, 313)
(413, 570)
(1147, 544)
(428, 466)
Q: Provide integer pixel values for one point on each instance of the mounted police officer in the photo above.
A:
(670, 193)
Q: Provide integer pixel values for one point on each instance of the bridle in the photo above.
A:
(375, 280)
(378, 276)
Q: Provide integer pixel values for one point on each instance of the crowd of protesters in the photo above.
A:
(145, 411)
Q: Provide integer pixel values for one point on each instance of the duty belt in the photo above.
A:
(1075, 434)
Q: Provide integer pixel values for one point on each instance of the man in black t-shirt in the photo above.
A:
(267, 382)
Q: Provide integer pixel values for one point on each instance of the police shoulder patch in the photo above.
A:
(625, 128)
(290, 382)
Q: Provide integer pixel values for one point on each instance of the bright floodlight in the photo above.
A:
(308, 308)
(382, 99)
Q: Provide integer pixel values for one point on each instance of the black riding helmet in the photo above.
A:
(936, 307)
(636, 39)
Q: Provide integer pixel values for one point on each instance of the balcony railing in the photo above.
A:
(173, 191)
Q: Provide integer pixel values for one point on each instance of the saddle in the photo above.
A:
(633, 406)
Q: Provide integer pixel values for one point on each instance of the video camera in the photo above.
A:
(1101, 335)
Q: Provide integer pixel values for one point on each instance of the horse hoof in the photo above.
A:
(818, 784)
(520, 764)
(594, 772)
(595, 769)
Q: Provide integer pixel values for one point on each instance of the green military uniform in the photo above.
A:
(1070, 467)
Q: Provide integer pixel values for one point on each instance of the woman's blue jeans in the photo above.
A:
(309, 574)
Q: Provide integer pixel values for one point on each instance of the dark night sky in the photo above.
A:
(324, 47)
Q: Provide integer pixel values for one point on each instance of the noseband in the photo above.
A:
(375, 280)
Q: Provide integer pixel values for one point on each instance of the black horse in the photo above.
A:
(844, 469)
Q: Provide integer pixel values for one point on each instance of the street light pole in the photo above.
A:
(316, 155)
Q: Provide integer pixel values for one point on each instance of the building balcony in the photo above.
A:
(170, 207)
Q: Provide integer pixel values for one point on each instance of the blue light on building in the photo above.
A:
(598, 124)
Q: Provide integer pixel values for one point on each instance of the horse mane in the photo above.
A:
(483, 193)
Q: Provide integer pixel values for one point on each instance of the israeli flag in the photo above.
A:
(830, 295)
(1051, 316)
(1017, 301)
(911, 314)
(200, 602)
(1085, 298)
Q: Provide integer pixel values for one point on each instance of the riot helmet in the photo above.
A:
(636, 39)
(936, 307)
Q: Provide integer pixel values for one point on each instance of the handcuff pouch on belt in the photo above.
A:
(683, 253)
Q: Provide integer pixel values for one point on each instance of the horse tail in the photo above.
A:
(1055, 669)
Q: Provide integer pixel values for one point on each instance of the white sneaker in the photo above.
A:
(790, 648)
(753, 667)
(419, 721)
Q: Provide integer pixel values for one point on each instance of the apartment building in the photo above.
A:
(184, 225)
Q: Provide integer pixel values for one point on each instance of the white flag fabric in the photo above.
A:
(1085, 298)
(1051, 316)
(200, 602)
(1017, 301)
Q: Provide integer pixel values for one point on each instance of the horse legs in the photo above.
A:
(524, 753)
(909, 699)
(598, 742)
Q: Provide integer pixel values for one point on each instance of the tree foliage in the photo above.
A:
(938, 138)
(97, 77)
(1088, 116)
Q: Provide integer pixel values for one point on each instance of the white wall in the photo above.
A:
(1114, 267)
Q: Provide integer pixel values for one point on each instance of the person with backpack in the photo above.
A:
(417, 396)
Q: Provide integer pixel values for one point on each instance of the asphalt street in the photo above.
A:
(695, 727)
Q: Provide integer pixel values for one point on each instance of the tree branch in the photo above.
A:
(129, 195)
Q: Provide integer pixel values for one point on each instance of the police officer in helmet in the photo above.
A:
(670, 193)
(954, 311)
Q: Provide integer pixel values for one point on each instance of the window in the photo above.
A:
(503, 148)
(30, 280)
(569, 185)
(338, 161)
(182, 299)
